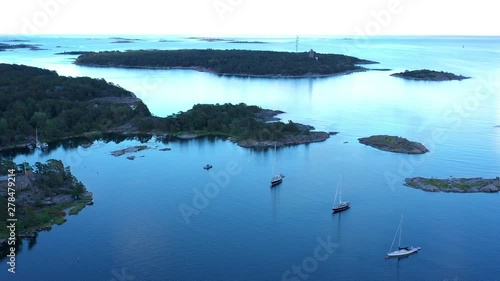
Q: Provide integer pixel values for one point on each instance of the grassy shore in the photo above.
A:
(31, 219)
(456, 185)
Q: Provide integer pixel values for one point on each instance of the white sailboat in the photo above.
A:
(38, 144)
(342, 205)
(401, 251)
(277, 177)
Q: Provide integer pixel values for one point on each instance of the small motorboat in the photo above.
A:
(207, 167)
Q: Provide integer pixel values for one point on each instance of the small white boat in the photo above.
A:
(277, 179)
(401, 251)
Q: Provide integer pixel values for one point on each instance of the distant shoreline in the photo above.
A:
(202, 69)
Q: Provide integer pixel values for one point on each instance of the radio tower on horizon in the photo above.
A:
(297, 44)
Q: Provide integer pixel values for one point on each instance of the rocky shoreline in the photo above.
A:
(455, 185)
(267, 115)
(290, 140)
(394, 144)
(286, 141)
(66, 197)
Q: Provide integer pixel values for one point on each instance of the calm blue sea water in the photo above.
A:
(234, 226)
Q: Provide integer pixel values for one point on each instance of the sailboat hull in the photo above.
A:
(341, 207)
(275, 182)
(403, 252)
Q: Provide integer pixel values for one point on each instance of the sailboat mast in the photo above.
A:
(394, 239)
(274, 160)
(340, 189)
(337, 191)
(400, 231)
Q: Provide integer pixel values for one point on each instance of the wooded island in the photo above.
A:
(230, 62)
(38, 103)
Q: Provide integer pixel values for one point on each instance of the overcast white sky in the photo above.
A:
(250, 17)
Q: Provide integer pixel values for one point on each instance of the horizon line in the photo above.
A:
(252, 35)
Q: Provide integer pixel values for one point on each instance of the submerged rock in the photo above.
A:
(131, 149)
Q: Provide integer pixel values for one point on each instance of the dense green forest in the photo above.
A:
(234, 62)
(239, 121)
(51, 178)
(59, 106)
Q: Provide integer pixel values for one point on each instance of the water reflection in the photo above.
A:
(5, 248)
(74, 143)
(275, 199)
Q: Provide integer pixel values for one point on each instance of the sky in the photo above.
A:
(250, 17)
